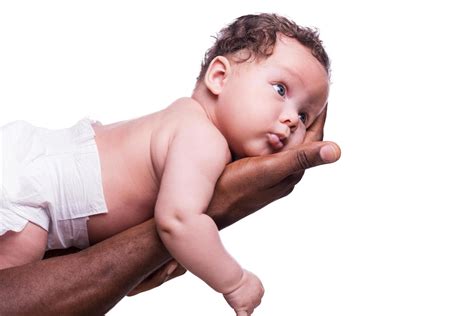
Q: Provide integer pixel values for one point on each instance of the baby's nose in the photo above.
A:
(290, 118)
(292, 123)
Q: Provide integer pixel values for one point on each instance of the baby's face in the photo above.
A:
(266, 105)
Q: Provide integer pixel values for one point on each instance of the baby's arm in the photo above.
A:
(196, 157)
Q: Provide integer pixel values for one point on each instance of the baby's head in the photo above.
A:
(263, 82)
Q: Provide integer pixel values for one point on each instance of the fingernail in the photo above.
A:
(172, 268)
(329, 153)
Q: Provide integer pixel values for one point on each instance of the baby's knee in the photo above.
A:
(26, 246)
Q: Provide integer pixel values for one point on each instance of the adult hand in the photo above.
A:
(249, 184)
(315, 133)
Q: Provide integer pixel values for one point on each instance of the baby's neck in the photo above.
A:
(207, 102)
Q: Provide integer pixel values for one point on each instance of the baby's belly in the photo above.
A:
(116, 220)
(129, 183)
(130, 199)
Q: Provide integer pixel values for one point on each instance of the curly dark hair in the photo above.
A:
(257, 34)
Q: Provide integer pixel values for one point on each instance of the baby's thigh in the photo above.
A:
(26, 246)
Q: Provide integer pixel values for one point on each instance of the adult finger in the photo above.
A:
(169, 271)
(285, 186)
(299, 158)
(293, 179)
(156, 279)
(315, 132)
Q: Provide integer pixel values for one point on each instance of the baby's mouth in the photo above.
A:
(275, 141)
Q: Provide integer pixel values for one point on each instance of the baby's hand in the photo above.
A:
(247, 295)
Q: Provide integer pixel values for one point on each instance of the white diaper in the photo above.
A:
(51, 178)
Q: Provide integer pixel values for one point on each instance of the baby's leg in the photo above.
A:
(23, 247)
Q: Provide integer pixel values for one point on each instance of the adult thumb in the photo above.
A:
(309, 155)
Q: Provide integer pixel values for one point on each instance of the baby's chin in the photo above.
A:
(251, 152)
(263, 149)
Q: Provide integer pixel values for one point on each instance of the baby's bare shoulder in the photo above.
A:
(194, 128)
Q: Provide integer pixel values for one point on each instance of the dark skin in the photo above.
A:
(92, 281)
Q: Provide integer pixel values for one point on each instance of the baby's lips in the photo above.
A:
(275, 141)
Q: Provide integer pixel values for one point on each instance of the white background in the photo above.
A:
(388, 230)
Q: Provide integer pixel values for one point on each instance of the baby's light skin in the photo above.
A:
(147, 170)
(236, 111)
(122, 261)
(291, 87)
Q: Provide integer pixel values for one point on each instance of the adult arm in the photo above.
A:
(92, 281)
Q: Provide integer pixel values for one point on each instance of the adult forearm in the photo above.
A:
(89, 282)
(86, 283)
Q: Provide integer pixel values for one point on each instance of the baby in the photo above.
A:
(261, 85)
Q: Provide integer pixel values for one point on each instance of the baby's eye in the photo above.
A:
(281, 89)
(303, 117)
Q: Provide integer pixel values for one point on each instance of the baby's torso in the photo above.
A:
(132, 154)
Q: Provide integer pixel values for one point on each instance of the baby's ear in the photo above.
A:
(217, 73)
